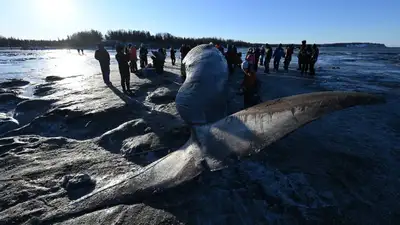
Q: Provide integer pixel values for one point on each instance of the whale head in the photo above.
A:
(202, 98)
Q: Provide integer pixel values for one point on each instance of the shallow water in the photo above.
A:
(373, 70)
(344, 165)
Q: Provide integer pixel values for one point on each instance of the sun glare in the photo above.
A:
(55, 11)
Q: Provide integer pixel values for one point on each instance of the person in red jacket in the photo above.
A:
(133, 58)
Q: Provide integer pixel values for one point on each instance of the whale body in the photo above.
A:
(216, 140)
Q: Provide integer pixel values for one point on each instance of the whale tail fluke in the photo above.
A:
(250, 130)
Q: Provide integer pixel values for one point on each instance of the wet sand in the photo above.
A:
(78, 135)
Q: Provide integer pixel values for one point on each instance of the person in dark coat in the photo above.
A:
(306, 59)
(158, 60)
(262, 55)
(257, 54)
(314, 59)
(123, 65)
(278, 54)
(183, 51)
(288, 57)
(268, 56)
(235, 56)
(143, 56)
(301, 53)
(172, 53)
(103, 57)
(230, 59)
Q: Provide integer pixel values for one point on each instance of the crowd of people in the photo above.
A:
(127, 63)
(307, 57)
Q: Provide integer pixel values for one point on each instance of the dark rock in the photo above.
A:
(162, 95)
(33, 104)
(112, 140)
(71, 182)
(53, 78)
(7, 123)
(13, 83)
(2, 91)
(78, 185)
(142, 143)
(43, 90)
(9, 97)
(27, 110)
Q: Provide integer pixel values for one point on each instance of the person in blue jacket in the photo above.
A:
(278, 54)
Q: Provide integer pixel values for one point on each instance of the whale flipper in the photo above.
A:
(250, 130)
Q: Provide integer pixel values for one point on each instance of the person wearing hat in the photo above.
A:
(101, 54)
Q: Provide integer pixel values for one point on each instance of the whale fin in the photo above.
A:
(250, 130)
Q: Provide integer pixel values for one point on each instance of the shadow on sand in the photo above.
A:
(154, 134)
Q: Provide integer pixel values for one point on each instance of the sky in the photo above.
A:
(261, 21)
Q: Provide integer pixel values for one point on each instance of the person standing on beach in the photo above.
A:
(221, 49)
(257, 53)
(103, 57)
(236, 60)
(143, 56)
(288, 57)
(172, 53)
(278, 54)
(123, 66)
(268, 56)
(230, 59)
(314, 59)
(306, 59)
(262, 55)
(249, 84)
(133, 58)
(301, 54)
(183, 51)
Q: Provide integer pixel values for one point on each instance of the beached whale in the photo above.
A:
(217, 140)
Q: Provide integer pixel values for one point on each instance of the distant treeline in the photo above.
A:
(91, 38)
(88, 39)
